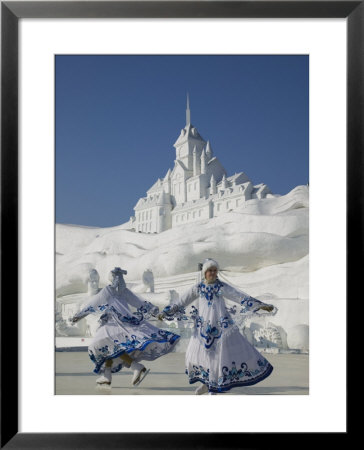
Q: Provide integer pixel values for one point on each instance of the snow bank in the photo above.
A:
(262, 233)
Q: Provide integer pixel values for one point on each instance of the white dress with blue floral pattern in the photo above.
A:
(122, 331)
(218, 355)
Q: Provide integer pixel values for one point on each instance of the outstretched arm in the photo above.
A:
(140, 303)
(176, 308)
(249, 304)
(97, 303)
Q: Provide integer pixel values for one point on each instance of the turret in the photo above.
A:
(212, 185)
(223, 182)
(167, 182)
(188, 111)
(208, 151)
(203, 162)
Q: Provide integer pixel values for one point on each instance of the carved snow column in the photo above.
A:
(167, 182)
(212, 185)
(203, 162)
(208, 151)
(223, 182)
(164, 220)
(196, 162)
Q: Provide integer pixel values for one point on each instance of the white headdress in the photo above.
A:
(117, 279)
(207, 264)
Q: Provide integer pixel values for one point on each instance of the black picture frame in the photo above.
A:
(11, 12)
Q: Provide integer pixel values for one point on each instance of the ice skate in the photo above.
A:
(105, 379)
(140, 372)
(104, 388)
(201, 389)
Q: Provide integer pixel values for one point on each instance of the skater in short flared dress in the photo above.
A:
(124, 338)
(218, 355)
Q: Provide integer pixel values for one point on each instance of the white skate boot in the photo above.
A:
(140, 372)
(201, 389)
(105, 377)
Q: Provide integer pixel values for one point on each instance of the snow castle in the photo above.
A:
(197, 188)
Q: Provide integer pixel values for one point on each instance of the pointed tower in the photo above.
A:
(208, 151)
(203, 161)
(188, 111)
(167, 182)
(223, 182)
(212, 185)
(188, 140)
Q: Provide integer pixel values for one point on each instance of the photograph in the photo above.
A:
(181, 224)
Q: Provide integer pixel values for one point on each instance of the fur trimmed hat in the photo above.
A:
(208, 263)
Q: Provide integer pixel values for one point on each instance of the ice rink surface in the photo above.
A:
(74, 376)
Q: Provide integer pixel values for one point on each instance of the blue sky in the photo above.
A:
(118, 116)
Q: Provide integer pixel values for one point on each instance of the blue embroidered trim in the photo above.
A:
(208, 291)
(131, 346)
(235, 384)
(212, 332)
(142, 313)
(230, 378)
(103, 307)
(179, 314)
(248, 302)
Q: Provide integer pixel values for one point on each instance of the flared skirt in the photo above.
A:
(230, 362)
(142, 342)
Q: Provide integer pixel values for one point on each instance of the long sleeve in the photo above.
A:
(140, 304)
(250, 305)
(177, 308)
(97, 303)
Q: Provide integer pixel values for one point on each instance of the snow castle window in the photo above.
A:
(218, 206)
(227, 205)
(237, 202)
(194, 214)
(195, 186)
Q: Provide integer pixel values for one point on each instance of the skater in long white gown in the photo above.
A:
(124, 338)
(218, 355)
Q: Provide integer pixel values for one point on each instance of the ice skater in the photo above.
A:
(218, 355)
(124, 338)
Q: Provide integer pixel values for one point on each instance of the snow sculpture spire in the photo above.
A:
(203, 161)
(223, 182)
(208, 151)
(212, 185)
(188, 111)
